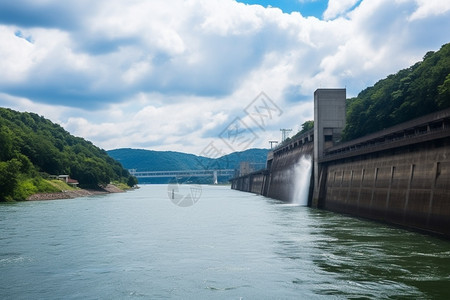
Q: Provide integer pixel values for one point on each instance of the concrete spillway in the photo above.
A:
(284, 172)
(400, 175)
(281, 178)
(302, 180)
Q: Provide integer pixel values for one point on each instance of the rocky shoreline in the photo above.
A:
(70, 194)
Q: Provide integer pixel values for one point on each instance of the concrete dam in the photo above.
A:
(400, 175)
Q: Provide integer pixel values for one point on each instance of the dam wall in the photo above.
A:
(278, 179)
(400, 175)
(254, 182)
(281, 178)
(407, 187)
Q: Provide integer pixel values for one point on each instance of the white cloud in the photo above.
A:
(16, 53)
(430, 8)
(170, 75)
(53, 112)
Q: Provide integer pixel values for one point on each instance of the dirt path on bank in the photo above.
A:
(74, 193)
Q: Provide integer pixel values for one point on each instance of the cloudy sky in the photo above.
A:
(201, 76)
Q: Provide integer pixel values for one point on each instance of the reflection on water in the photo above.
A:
(382, 261)
(229, 245)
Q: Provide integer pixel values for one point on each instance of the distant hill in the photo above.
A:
(148, 160)
(410, 93)
(32, 147)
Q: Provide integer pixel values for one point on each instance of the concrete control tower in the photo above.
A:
(329, 121)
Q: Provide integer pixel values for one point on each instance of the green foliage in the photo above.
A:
(29, 186)
(421, 89)
(308, 125)
(30, 144)
(132, 181)
(46, 186)
(6, 144)
(56, 185)
(24, 189)
(147, 160)
(120, 185)
(9, 178)
(444, 93)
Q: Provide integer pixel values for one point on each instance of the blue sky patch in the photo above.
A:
(20, 34)
(307, 8)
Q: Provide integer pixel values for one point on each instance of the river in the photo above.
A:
(229, 245)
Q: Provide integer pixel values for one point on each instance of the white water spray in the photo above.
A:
(302, 179)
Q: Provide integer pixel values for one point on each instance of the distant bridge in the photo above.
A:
(184, 173)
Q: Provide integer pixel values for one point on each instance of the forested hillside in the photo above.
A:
(421, 89)
(32, 146)
(148, 160)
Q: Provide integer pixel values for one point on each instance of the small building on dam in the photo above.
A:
(400, 175)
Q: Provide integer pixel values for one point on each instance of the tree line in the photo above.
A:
(32, 147)
(421, 89)
(410, 93)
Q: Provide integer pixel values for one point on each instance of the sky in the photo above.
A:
(206, 77)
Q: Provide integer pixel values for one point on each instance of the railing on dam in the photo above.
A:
(296, 141)
(431, 127)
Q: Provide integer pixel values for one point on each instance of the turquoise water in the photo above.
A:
(229, 245)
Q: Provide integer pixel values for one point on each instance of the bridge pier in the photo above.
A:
(215, 177)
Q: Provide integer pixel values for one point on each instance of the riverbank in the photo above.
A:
(70, 194)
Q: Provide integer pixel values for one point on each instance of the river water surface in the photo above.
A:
(229, 245)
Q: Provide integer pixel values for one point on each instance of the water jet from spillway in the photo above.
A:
(302, 179)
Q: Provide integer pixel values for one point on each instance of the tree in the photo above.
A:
(132, 181)
(37, 144)
(308, 125)
(9, 173)
(410, 93)
(6, 144)
(444, 93)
